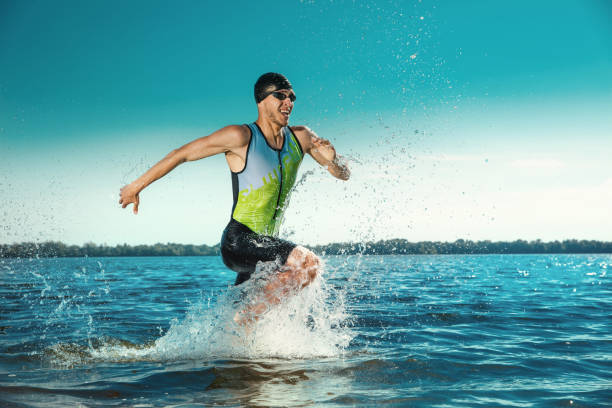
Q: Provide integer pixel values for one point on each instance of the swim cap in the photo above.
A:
(270, 82)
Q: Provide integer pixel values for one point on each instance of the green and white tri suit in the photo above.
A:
(261, 194)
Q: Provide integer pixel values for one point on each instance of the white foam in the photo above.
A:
(309, 323)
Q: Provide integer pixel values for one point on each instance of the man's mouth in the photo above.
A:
(285, 113)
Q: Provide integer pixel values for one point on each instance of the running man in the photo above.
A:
(263, 158)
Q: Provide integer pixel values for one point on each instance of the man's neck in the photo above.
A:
(271, 131)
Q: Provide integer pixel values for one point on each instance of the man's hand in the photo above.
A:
(323, 148)
(129, 195)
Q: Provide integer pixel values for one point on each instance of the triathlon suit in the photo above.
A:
(261, 194)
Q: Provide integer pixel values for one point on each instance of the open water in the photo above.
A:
(430, 331)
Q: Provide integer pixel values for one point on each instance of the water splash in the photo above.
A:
(307, 324)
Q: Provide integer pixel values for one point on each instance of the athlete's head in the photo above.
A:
(268, 83)
(274, 96)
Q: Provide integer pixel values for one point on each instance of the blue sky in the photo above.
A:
(475, 119)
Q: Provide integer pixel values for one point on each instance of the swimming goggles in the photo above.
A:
(281, 96)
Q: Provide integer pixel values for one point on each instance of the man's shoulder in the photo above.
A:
(304, 135)
(236, 129)
(239, 133)
(301, 129)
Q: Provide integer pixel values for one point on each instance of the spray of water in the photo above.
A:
(312, 322)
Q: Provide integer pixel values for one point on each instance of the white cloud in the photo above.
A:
(453, 157)
(538, 163)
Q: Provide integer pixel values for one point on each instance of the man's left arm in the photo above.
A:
(322, 151)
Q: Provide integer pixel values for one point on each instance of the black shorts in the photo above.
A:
(242, 248)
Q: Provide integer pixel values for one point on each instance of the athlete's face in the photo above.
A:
(279, 105)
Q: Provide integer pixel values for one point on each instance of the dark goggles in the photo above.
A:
(281, 96)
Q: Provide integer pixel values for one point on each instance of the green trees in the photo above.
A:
(387, 247)
(402, 246)
(61, 250)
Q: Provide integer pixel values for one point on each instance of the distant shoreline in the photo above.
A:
(52, 249)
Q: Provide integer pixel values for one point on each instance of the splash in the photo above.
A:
(310, 323)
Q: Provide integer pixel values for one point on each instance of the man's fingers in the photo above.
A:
(320, 142)
(125, 201)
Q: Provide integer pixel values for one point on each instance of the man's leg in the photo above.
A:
(299, 271)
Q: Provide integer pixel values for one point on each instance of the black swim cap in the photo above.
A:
(270, 82)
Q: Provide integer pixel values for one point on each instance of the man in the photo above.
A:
(263, 158)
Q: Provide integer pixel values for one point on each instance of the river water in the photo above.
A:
(430, 331)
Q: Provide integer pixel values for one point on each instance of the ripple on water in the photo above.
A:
(407, 331)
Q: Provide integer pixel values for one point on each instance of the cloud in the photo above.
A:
(538, 163)
(453, 157)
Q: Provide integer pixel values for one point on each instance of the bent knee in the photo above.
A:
(311, 265)
(305, 257)
(305, 261)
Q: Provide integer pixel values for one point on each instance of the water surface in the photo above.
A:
(505, 330)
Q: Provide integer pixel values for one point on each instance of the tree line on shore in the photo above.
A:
(61, 250)
(461, 246)
(386, 247)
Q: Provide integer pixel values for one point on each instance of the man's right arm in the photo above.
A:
(229, 139)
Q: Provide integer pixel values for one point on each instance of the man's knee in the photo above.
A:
(311, 265)
(305, 262)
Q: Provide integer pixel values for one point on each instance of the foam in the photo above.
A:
(310, 323)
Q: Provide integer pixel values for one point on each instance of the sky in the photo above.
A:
(475, 119)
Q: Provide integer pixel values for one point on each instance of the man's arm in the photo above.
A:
(228, 139)
(322, 151)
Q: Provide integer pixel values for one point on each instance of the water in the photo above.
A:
(400, 330)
